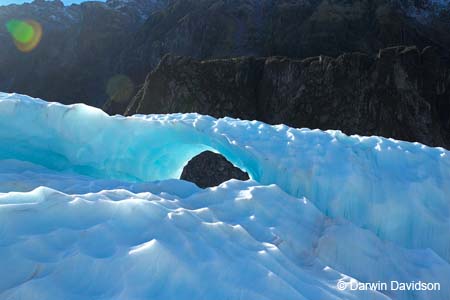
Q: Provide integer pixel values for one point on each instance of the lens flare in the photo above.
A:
(26, 34)
(120, 88)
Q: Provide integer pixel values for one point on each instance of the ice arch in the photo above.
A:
(398, 190)
(86, 140)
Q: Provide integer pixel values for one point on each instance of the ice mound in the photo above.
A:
(88, 209)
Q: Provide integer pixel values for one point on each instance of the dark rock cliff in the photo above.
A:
(218, 87)
(100, 52)
(294, 28)
(401, 92)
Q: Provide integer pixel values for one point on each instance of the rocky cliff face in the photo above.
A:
(217, 87)
(401, 92)
(303, 28)
(97, 52)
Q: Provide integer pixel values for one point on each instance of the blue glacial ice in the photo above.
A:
(90, 209)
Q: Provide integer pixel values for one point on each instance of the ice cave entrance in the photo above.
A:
(85, 140)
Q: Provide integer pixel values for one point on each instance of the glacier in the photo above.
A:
(90, 208)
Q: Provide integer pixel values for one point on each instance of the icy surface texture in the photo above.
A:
(87, 212)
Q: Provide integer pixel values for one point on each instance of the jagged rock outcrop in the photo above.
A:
(210, 169)
(217, 87)
(402, 92)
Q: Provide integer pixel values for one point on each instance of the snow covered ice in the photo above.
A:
(90, 209)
